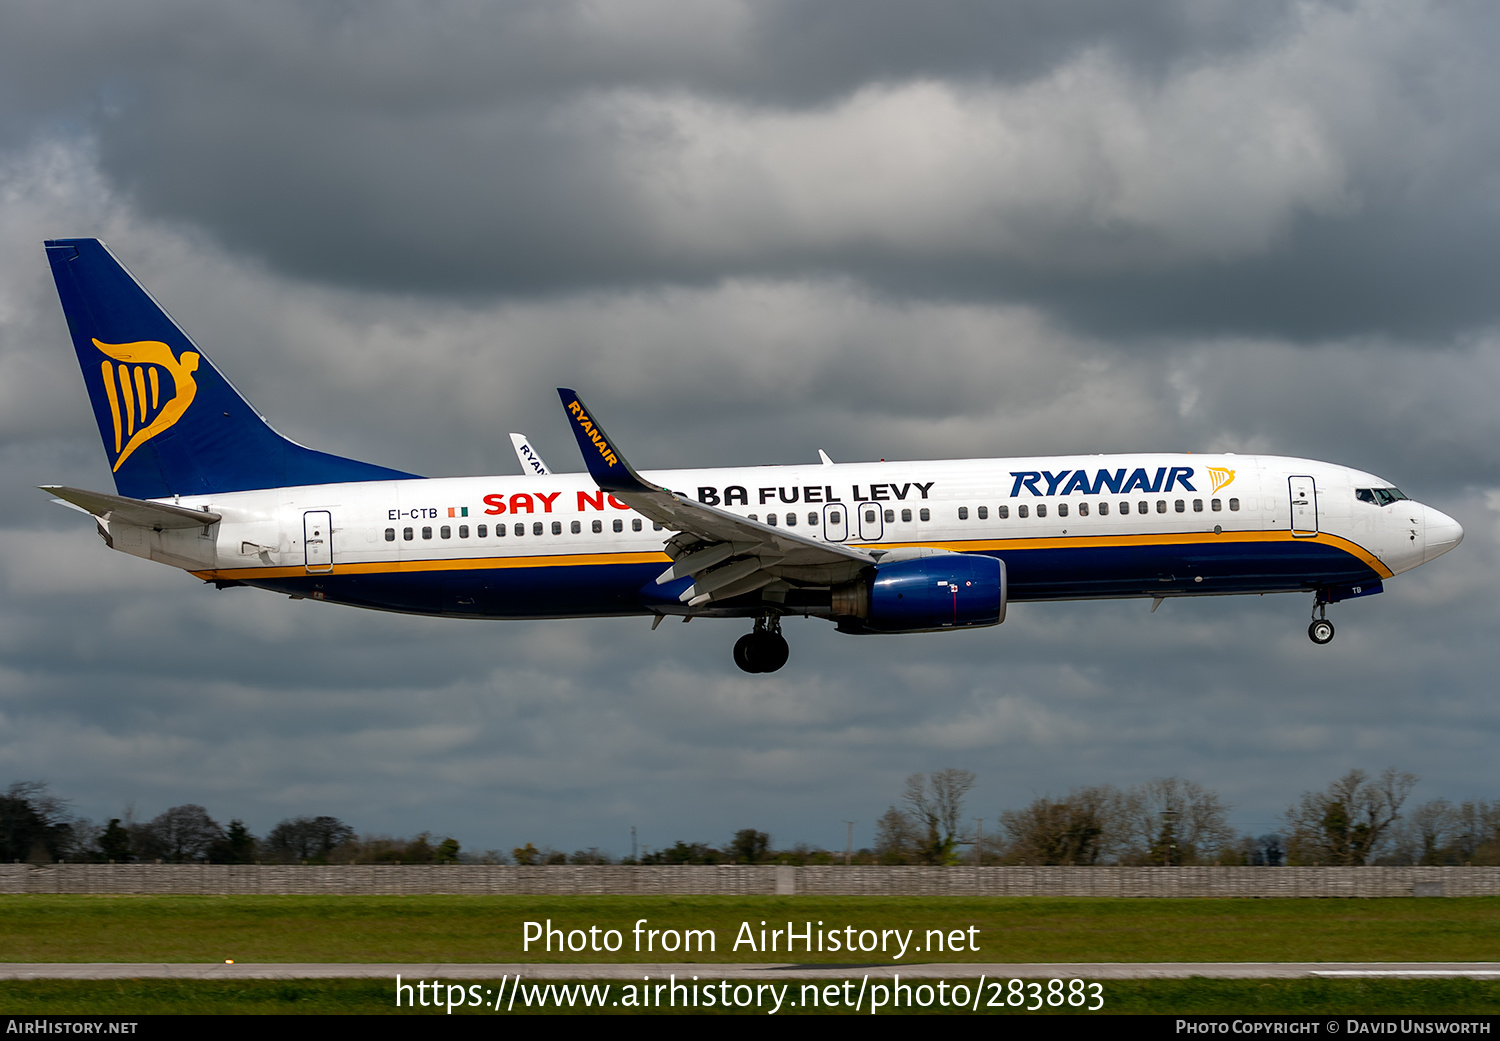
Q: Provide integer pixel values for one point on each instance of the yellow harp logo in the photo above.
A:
(137, 401)
(1220, 476)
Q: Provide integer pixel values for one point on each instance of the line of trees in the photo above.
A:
(1357, 819)
(36, 826)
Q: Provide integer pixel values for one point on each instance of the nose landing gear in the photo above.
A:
(763, 649)
(1321, 629)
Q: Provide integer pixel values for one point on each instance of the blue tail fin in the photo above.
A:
(171, 424)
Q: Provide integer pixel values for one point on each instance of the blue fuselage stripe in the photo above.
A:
(1064, 573)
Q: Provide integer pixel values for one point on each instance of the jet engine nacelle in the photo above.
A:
(925, 594)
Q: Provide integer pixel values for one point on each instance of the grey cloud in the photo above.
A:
(1314, 172)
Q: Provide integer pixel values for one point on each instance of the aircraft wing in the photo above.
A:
(144, 514)
(727, 555)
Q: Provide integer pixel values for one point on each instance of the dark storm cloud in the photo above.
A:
(1314, 170)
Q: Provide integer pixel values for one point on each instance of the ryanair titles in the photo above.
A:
(1066, 482)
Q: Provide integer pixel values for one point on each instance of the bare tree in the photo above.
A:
(1084, 828)
(34, 824)
(180, 835)
(311, 839)
(896, 838)
(1438, 832)
(1174, 821)
(1348, 822)
(935, 802)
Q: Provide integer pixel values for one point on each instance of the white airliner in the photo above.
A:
(204, 484)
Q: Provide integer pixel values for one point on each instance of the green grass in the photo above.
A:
(489, 929)
(377, 997)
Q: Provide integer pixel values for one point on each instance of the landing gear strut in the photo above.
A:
(1321, 629)
(763, 649)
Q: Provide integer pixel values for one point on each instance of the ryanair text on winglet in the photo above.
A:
(576, 410)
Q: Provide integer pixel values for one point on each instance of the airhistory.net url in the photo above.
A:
(854, 995)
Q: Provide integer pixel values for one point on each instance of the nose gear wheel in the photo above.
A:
(1321, 629)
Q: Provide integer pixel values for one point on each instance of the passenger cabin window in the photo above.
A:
(812, 520)
(791, 520)
(1023, 511)
(618, 525)
(655, 526)
(520, 529)
(635, 524)
(1124, 508)
(890, 517)
(926, 514)
(483, 530)
(905, 516)
(963, 513)
(1003, 512)
(1197, 505)
(598, 526)
(1041, 509)
(1143, 507)
(407, 534)
(390, 534)
(1216, 504)
(1104, 509)
(1062, 509)
(1234, 504)
(463, 531)
(1161, 506)
(575, 527)
(1083, 509)
(446, 532)
(557, 527)
(1180, 506)
(536, 528)
(984, 513)
(837, 517)
(771, 519)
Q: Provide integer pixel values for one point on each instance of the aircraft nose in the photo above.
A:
(1443, 533)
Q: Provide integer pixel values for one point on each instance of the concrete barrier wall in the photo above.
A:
(738, 880)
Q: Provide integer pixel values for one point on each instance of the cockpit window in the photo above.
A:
(1379, 496)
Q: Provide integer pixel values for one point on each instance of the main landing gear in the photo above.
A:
(1321, 629)
(763, 649)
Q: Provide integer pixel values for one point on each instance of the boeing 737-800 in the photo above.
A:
(204, 484)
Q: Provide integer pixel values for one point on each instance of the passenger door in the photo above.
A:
(1304, 498)
(317, 540)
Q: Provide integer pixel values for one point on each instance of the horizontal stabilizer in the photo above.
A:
(155, 515)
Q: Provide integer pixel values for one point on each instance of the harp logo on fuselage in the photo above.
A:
(138, 402)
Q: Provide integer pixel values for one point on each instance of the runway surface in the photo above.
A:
(740, 971)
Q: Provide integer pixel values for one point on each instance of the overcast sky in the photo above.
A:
(747, 231)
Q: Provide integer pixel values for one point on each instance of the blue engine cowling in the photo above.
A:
(925, 594)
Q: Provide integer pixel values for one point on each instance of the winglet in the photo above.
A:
(606, 465)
